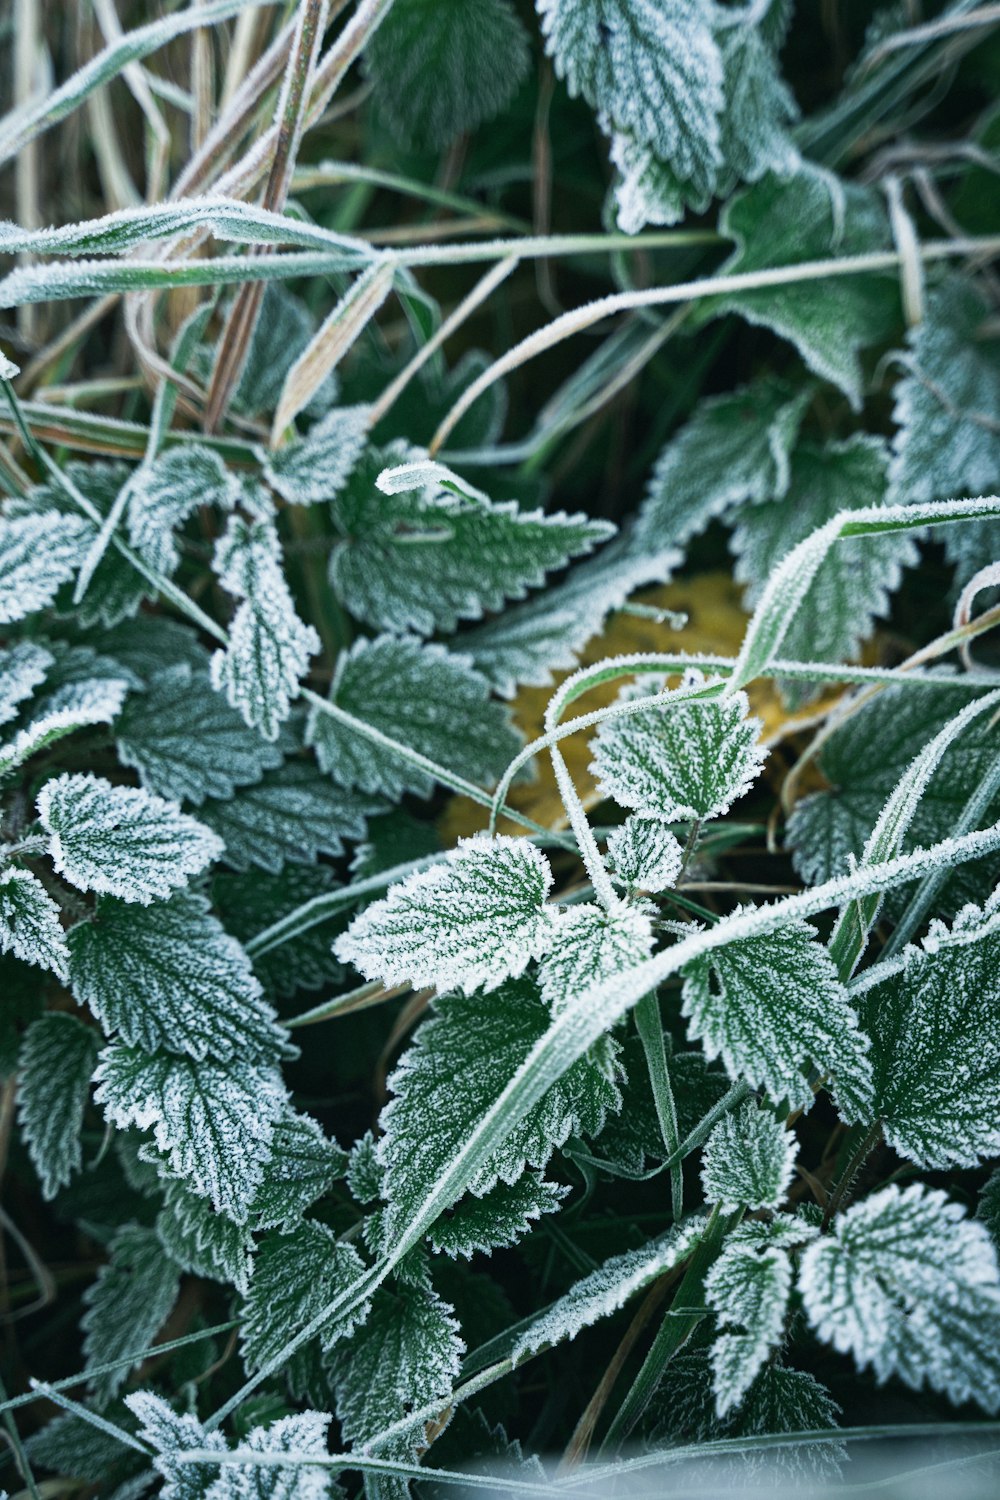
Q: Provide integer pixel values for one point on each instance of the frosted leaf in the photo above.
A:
(811, 216)
(74, 705)
(935, 1031)
(304, 1433)
(423, 696)
(295, 1276)
(169, 1434)
(748, 1161)
(735, 448)
(425, 559)
(317, 467)
(163, 494)
(759, 106)
(121, 841)
(587, 946)
(460, 1061)
(679, 761)
(151, 645)
(213, 1122)
(303, 1168)
(269, 646)
(652, 67)
(56, 1063)
(204, 1242)
(748, 1289)
(127, 1305)
(647, 190)
(856, 577)
(250, 903)
(766, 1005)
(474, 920)
(294, 814)
(909, 1285)
(8, 369)
(406, 1355)
(186, 742)
(644, 855)
(23, 666)
(607, 1289)
(440, 67)
(72, 1447)
(38, 554)
(168, 976)
(498, 1220)
(29, 923)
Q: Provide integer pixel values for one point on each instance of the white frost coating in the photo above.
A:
(75, 705)
(466, 924)
(56, 1062)
(22, 669)
(121, 841)
(644, 854)
(423, 473)
(29, 923)
(748, 1161)
(163, 494)
(316, 467)
(748, 1289)
(909, 1285)
(38, 553)
(8, 369)
(589, 945)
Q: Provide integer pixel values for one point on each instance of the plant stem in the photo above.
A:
(847, 1180)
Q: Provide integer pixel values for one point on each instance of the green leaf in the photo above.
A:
(304, 1166)
(169, 1434)
(459, 1063)
(679, 761)
(168, 976)
(204, 1242)
(293, 815)
(303, 1435)
(214, 1123)
(759, 106)
(935, 1036)
(748, 1289)
(498, 1219)
(127, 1305)
(23, 667)
(748, 1161)
(72, 706)
(29, 923)
(296, 1275)
(39, 552)
(121, 841)
(907, 1284)
(588, 945)
(317, 467)
(474, 920)
(425, 559)
(768, 1004)
(440, 67)
(248, 904)
(164, 493)
(57, 1060)
(187, 743)
(431, 700)
(644, 855)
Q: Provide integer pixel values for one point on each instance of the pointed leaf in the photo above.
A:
(38, 554)
(498, 1219)
(164, 493)
(56, 1064)
(748, 1288)
(588, 945)
(294, 814)
(748, 1161)
(29, 923)
(644, 855)
(296, 1275)
(22, 669)
(127, 1305)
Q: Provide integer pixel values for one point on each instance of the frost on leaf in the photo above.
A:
(589, 945)
(163, 494)
(302, 1434)
(909, 1285)
(304, 1166)
(644, 855)
(419, 694)
(748, 1162)
(296, 1276)
(57, 1060)
(499, 1219)
(470, 922)
(38, 554)
(72, 706)
(168, 976)
(607, 1289)
(202, 1241)
(316, 467)
(678, 761)
(248, 904)
(23, 666)
(440, 67)
(127, 1305)
(269, 646)
(121, 841)
(935, 1030)
(767, 1005)
(748, 1289)
(294, 814)
(186, 742)
(214, 1123)
(425, 559)
(29, 923)
(169, 1434)
(460, 1061)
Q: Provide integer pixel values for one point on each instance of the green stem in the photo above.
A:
(649, 1024)
(17, 1447)
(849, 1175)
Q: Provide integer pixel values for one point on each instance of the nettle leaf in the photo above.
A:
(588, 945)
(318, 466)
(168, 1434)
(204, 1242)
(121, 841)
(856, 578)
(29, 923)
(23, 667)
(73, 706)
(305, 1435)
(39, 552)
(498, 1220)
(439, 67)
(748, 1289)
(644, 855)
(748, 1161)
(127, 1305)
(295, 1276)
(812, 216)
(472, 921)
(213, 1122)
(907, 1284)
(679, 761)
(424, 559)
(164, 493)
(169, 976)
(293, 815)
(269, 646)
(766, 1005)
(186, 742)
(651, 67)
(151, 645)
(735, 448)
(460, 1061)
(935, 1030)
(55, 1068)
(304, 1166)
(248, 904)
(423, 695)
